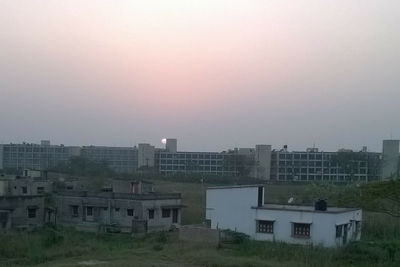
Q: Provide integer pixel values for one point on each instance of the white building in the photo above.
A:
(242, 209)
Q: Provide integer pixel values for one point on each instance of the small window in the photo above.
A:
(31, 212)
(75, 210)
(301, 230)
(116, 209)
(265, 227)
(166, 213)
(24, 190)
(129, 212)
(151, 214)
(339, 230)
(89, 211)
(40, 190)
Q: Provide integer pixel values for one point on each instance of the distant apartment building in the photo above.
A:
(119, 159)
(314, 165)
(390, 158)
(254, 162)
(35, 156)
(259, 162)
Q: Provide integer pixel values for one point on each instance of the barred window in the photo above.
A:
(265, 227)
(301, 229)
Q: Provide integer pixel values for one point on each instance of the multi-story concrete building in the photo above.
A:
(130, 206)
(390, 158)
(314, 165)
(260, 162)
(35, 156)
(120, 159)
(126, 212)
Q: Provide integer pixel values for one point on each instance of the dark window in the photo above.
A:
(301, 229)
(75, 211)
(265, 227)
(31, 212)
(129, 212)
(151, 214)
(116, 209)
(89, 211)
(40, 190)
(166, 213)
(339, 230)
(175, 215)
(24, 190)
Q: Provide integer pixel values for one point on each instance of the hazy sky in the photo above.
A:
(215, 74)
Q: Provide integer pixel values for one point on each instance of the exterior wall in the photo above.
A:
(230, 208)
(322, 228)
(120, 159)
(145, 155)
(158, 223)
(171, 145)
(192, 162)
(109, 210)
(312, 165)
(390, 157)
(18, 207)
(4, 189)
(263, 162)
(33, 156)
(132, 187)
(31, 185)
(1, 157)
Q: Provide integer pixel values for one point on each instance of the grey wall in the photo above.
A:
(390, 158)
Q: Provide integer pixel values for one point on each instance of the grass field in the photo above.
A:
(66, 247)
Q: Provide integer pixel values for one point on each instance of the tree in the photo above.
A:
(241, 164)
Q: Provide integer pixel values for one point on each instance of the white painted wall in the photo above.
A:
(322, 229)
(230, 208)
(235, 208)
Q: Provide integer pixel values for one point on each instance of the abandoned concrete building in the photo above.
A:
(22, 201)
(122, 206)
(119, 211)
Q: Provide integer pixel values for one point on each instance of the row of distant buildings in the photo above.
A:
(33, 200)
(260, 162)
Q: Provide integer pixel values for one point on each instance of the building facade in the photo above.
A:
(34, 156)
(242, 209)
(390, 159)
(260, 162)
(120, 211)
(314, 165)
(119, 159)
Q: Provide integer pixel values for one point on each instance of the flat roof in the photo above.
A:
(304, 208)
(235, 186)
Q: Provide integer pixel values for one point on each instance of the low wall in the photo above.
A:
(199, 234)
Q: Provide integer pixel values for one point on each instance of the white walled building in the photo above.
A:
(242, 209)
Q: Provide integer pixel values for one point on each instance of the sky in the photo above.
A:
(216, 74)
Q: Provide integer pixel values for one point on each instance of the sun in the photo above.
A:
(164, 141)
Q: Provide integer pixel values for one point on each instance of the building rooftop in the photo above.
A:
(111, 195)
(235, 186)
(303, 208)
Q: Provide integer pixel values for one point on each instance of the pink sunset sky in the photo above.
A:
(215, 74)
